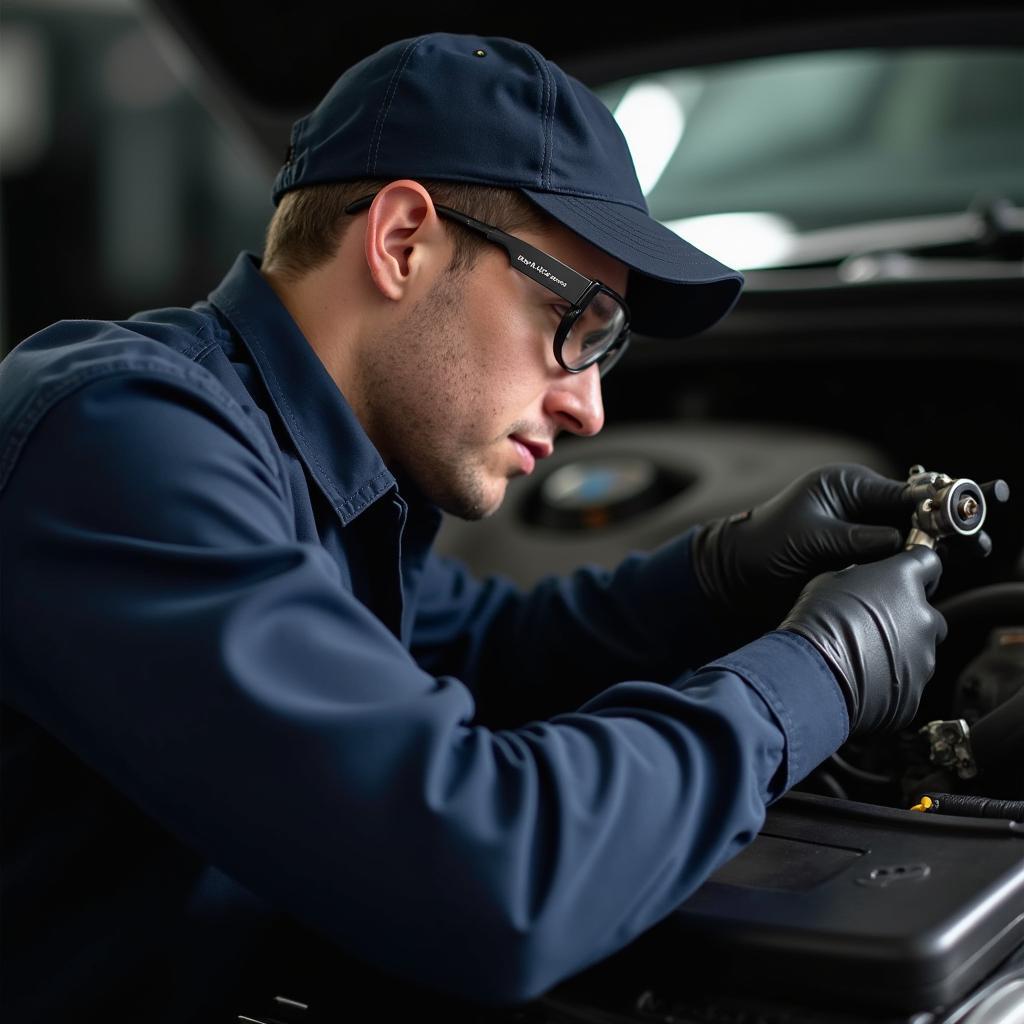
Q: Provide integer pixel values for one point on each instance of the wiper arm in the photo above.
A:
(991, 227)
(986, 241)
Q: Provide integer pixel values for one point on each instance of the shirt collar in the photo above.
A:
(325, 431)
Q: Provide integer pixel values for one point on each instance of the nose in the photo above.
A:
(574, 402)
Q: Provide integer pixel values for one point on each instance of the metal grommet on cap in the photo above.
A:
(479, 53)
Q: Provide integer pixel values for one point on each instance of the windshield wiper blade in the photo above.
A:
(991, 228)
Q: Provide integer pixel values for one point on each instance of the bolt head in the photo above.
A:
(968, 507)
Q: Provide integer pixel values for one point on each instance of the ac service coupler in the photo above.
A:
(946, 508)
(949, 509)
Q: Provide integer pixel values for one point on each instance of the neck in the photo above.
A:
(310, 301)
(327, 310)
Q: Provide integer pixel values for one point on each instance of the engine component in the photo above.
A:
(950, 746)
(950, 508)
(968, 806)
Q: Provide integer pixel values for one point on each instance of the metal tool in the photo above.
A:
(950, 508)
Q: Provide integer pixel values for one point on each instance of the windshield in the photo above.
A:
(759, 161)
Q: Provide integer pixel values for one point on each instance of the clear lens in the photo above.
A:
(594, 331)
(613, 356)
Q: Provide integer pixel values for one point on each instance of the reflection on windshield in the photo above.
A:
(760, 161)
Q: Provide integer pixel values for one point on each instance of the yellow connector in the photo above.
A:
(926, 804)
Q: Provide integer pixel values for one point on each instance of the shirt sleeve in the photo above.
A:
(534, 654)
(160, 619)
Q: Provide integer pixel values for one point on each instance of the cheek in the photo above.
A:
(511, 381)
(511, 351)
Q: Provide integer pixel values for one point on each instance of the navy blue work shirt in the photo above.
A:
(237, 683)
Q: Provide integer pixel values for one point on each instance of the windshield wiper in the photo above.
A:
(985, 241)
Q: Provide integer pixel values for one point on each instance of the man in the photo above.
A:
(239, 685)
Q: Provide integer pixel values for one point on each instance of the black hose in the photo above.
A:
(861, 774)
(999, 600)
(829, 783)
(999, 735)
(976, 806)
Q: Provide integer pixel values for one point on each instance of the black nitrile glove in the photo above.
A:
(875, 628)
(754, 564)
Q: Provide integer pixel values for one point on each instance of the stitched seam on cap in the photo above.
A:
(552, 103)
(578, 193)
(642, 242)
(613, 219)
(294, 141)
(546, 107)
(382, 116)
(672, 256)
(289, 171)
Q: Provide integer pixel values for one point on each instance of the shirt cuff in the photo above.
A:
(801, 692)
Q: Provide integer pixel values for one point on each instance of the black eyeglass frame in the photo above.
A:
(546, 270)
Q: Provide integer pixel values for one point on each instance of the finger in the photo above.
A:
(928, 565)
(874, 496)
(868, 543)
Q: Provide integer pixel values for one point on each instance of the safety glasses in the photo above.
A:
(595, 325)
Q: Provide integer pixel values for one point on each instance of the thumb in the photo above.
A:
(928, 566)
(868, 543)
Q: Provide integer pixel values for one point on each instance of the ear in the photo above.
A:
(404, 238)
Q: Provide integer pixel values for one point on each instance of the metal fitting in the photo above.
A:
(950, 746)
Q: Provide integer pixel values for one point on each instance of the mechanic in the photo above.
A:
(239, 685)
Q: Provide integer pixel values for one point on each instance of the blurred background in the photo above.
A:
(123, 187)
(863, 166)
(136, 163)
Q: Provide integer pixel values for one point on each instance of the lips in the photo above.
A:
(530, 451)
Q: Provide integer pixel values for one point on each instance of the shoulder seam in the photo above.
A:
(192, 375)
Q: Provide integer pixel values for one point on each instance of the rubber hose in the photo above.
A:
(999, 735)
(995, 600)
(976, 806)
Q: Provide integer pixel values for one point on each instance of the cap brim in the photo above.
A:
(676, 290)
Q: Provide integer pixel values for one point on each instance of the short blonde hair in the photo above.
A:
(310, 222)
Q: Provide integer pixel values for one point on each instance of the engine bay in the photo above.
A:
(889, 884)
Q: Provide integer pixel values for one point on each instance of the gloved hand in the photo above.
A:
(874, 626)
(753, 564)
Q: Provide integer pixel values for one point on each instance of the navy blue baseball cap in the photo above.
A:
(493, 111)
